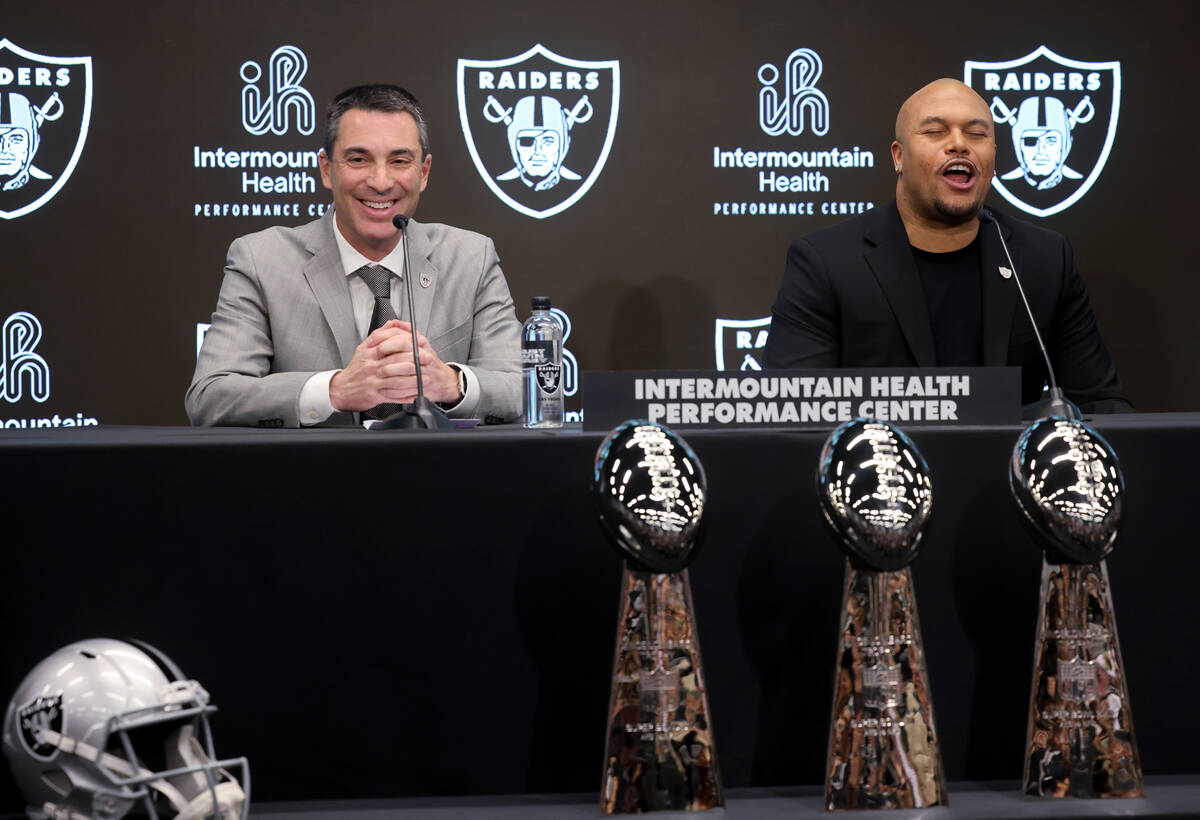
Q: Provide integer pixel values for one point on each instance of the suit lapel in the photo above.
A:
(420, 259)
(999, 296)
(890, 258)
(328, 282)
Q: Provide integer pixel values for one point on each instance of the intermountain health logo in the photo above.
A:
(45, 109)
(570, 366)
(283, 100)
(786, 169)
(1056, 120)
(274, 173)
(539, 126)
(25, 374)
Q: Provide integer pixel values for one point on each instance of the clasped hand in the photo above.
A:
(381, 371)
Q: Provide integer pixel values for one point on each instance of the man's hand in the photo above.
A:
(381, 371)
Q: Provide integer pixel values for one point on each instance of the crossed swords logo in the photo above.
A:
(494, 112)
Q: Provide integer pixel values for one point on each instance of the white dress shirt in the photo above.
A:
(315, 405)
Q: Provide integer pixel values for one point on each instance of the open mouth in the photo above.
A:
(378, 206)
(960, 174)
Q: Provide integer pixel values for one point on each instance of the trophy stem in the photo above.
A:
(883, 749)
(659, 752)
(1080, 741)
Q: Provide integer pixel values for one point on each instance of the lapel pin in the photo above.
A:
(1005, 272)
(426, 280)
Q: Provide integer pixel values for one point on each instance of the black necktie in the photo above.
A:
(379, 280)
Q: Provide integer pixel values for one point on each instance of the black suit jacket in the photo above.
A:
(851, 297)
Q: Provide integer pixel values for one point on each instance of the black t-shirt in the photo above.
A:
(953, 295)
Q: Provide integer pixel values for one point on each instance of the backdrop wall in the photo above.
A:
(113, 248)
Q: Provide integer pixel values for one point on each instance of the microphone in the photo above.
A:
(1057, 404)
(421, 413)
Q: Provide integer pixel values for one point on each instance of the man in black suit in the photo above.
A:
(917, 283)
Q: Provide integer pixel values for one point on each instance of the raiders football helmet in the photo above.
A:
(103, 727)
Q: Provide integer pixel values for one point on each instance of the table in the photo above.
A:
(405, 614)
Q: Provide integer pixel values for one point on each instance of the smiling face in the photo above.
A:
(375, 172)
(945, 151)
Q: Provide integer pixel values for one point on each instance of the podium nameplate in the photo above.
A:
(690, 399)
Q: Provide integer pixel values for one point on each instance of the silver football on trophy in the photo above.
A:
(649, 490)
(1067, 481)
(875, 492)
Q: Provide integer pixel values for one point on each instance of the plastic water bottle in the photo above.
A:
(541, 357)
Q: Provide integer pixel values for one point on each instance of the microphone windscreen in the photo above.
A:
(985, 216)
(400, 221)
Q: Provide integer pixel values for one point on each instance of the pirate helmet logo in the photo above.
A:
(34, 718)
(44, 119)
(20, 123)
(539, 135)
(549, 147)
(1056, 109)
(1041, 137)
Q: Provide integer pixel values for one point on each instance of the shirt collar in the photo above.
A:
(352, 260)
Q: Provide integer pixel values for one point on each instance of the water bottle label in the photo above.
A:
(549, 377)
(536, 352)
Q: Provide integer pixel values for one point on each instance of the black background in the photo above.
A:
(119, 271)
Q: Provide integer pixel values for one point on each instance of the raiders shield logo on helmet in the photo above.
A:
(45, 108)
(41, 713)
(1056, 120)
(740, 343)
(539, 126)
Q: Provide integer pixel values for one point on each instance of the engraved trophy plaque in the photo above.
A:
(877, 496)
(659, 754)
(1080, 741)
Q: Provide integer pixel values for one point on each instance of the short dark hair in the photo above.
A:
(379, 97)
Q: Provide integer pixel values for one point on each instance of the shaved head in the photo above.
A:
(913, 104)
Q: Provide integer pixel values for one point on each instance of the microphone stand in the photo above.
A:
(421, 413)
(1057, 404)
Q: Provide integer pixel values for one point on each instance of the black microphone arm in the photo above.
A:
(1057, 404)
(421, 413)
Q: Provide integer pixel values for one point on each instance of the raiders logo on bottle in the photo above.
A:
(549, 377)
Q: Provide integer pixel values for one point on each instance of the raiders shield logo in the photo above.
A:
(548, 376)
(1055, 124)
(45, 108)
(40, 713)
(740, 343)
(539, 126)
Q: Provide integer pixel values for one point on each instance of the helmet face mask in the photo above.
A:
(102, 726)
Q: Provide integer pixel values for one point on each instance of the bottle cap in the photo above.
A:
(541, 303)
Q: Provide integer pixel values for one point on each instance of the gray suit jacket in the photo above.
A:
(284, 313)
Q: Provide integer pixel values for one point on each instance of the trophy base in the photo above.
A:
(1080, 741)
(659, 752)
(883, 749)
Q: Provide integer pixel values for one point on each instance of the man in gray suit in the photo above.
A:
(303, 333)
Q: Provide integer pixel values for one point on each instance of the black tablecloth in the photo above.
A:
(415, 613)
